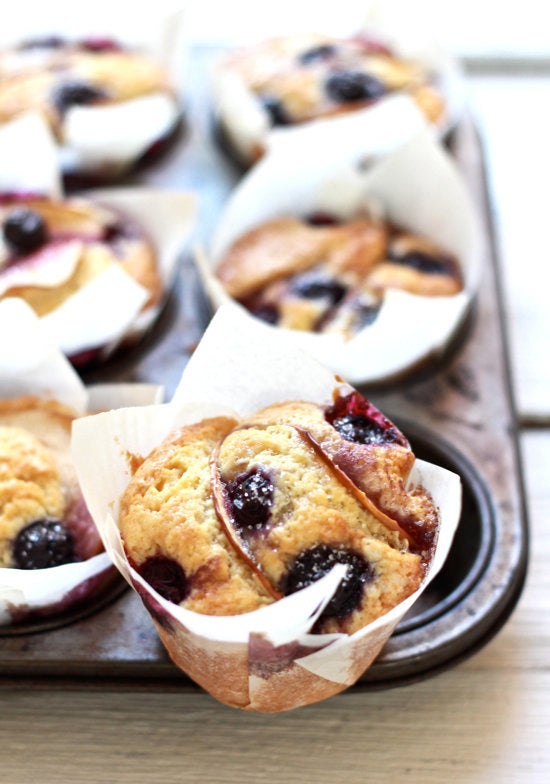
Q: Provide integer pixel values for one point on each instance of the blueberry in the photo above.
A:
(24, 230)
(356, 419)
(313, 564)
(119, 231)
(275, 109)
(316, 287)
(424, 262)
(47, 42)
(251, 498)
(317, 53)
(347, 86)
(321, 218)
(267, 313)
(100, 44)
(167, 578)
(42, 544)
(361, 430)
(76, 93)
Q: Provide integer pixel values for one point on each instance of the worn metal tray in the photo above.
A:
(458, 412)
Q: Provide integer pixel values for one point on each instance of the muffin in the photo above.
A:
(323, 275)
(51, 249)
(44, 521)
(227, 516)
(58, 78)
(264, 514)
(296, 79)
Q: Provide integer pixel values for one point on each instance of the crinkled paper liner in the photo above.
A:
(32, 365)
(415, 185)
(108, 310)
(264, 660)
(247, 125)
(109, 139)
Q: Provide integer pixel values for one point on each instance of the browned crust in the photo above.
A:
(52, 408)
(285, 246)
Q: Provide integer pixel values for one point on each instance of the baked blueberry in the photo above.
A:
(424, 262)
(42, 544)
(266, 312)
(348, 86)
(76, 93)
(251, 499)
(316, 287)
(24, 230)
(100, 44)
(363, 430)
(357, 420)
(320, 218)
(317, 54)
(313, 564)
(166, 577)
(275, 109)
(46, 42)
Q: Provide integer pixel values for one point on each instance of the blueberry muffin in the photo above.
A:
(54, 75)
(50, 249)
(226, 517)
(44, 521)
(301, 78)
(321, 275)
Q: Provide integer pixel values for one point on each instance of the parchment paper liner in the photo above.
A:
(166, 216)
(246, 123)
(107, 140)
(265, 660)
(416, 186)
(32, 365)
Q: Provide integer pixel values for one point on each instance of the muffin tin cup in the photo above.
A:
(106, 588)
(443, 625)
(459, 412)
(155, 155)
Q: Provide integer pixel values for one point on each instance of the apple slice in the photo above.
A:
(268, 528)
(241, 544)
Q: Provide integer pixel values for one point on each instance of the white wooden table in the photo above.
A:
(487, 720)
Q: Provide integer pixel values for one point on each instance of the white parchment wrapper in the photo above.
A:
(28, 158)
(415, 186)
(264, 660)
(32, 365)
(108, 140)
(247, 124)
(109, 309)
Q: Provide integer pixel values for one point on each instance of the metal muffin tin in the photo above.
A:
(457, 410)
